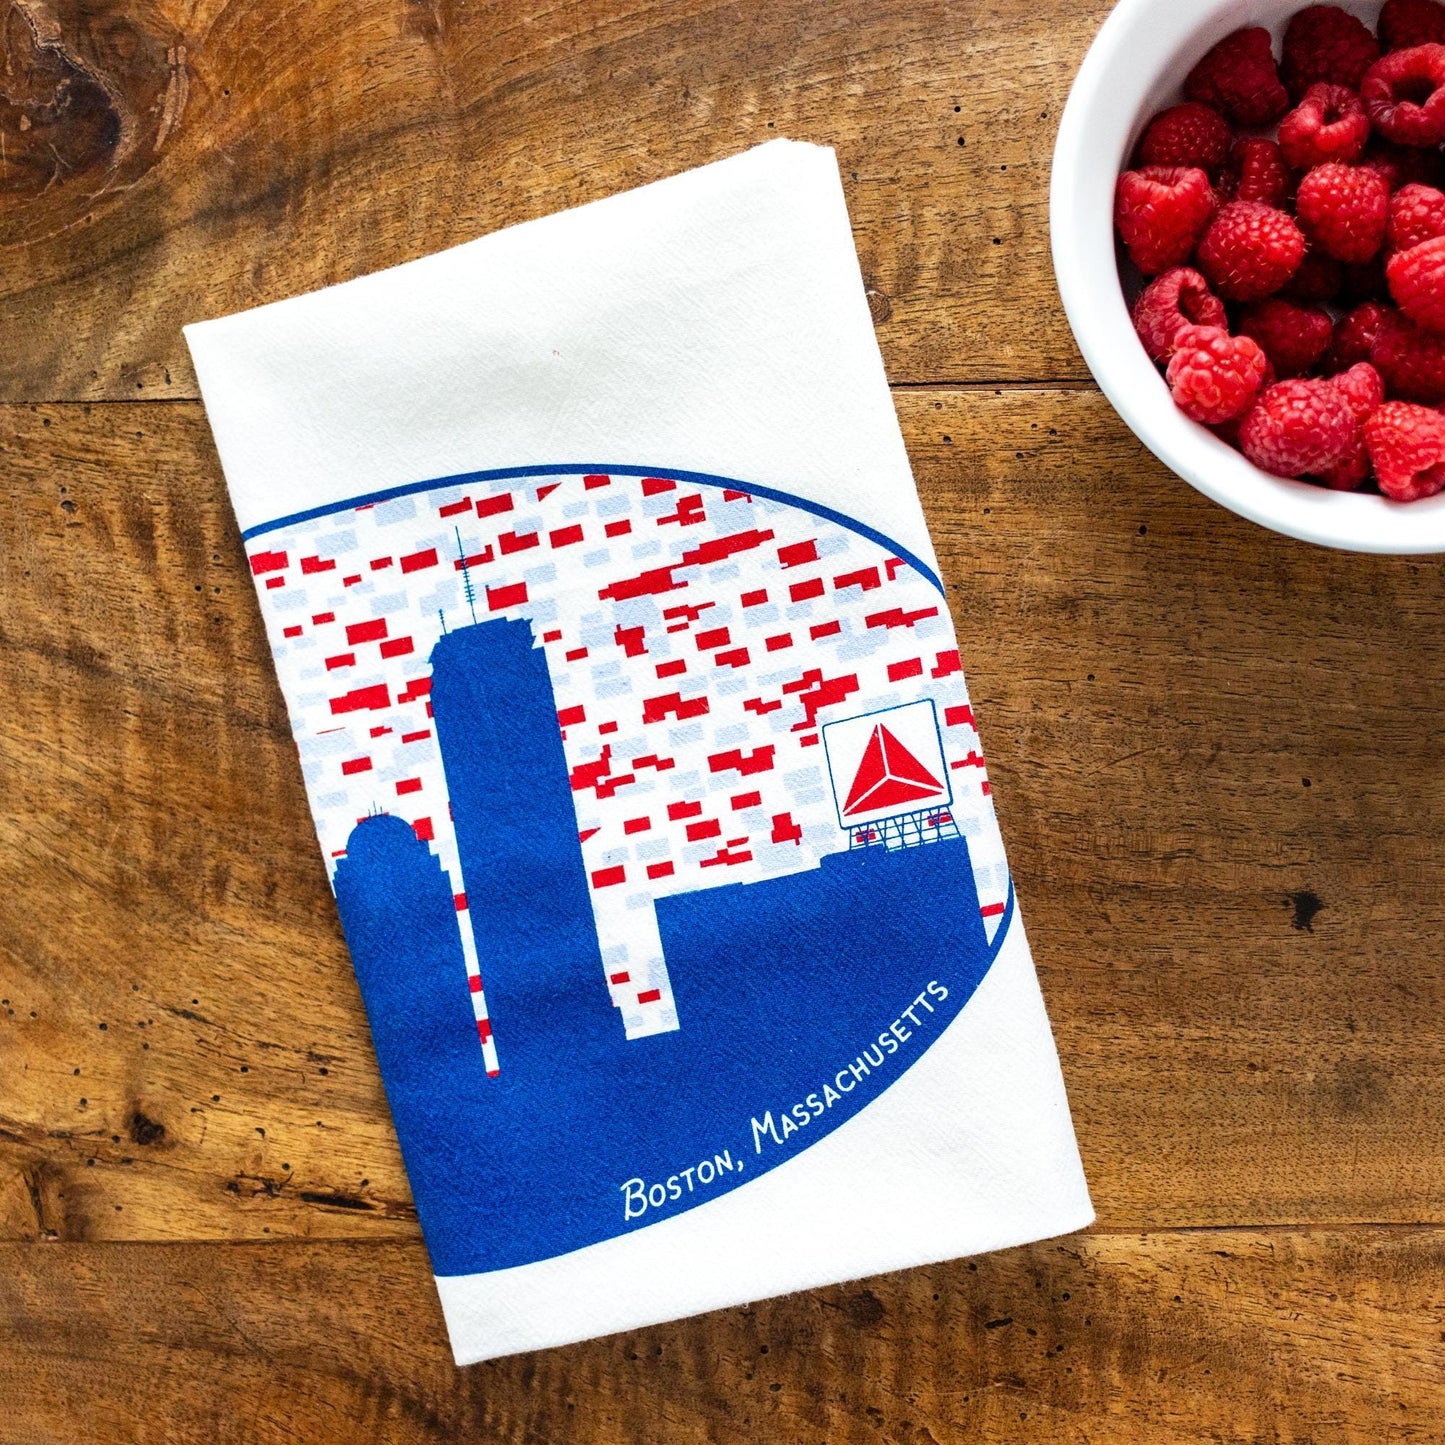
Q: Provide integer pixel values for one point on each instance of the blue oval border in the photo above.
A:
(567, 469)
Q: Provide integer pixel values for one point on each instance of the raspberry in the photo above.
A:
(1363, 392)
(1293, 337)
(1250, 251)
(1352, 473)
(1326, 43)
(1240, 78)
(1417, 282)
(1355, 337)
(1179, 297)
(1187, 135)
(1214, 377)
(1319, 278)
(1256, 171)
(1344, 210)
(1407, 446)
(1329, 124)
(1161, 212)
(1362, 389)
(1411, 360)
(1403, 165)
(1298, 429)
(1417, 214)
(1405, 24)
(1404, 95)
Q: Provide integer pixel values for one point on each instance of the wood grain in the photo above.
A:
(1236, 1335)
(1215, 755)
(163, 162)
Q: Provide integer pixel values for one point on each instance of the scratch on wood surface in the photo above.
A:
(34, 1181)
(336, 1201)
(256, 1186)
(178, 87)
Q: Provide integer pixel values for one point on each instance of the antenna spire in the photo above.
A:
(468, 591)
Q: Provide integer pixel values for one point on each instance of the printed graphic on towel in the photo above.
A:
(657, 822)
(888, 771)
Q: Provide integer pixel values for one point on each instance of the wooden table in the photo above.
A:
(1217, 756)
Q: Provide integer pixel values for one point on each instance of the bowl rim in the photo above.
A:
(1102, 118)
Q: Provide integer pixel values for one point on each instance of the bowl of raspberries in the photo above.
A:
(1248, 228)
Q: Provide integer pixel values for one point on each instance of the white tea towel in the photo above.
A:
(634, 728)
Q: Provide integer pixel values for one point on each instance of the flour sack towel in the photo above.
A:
(633, 723)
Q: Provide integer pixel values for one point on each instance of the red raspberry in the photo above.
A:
(1362, 389)
(1417, 282)
(1407, 446)
(1214, 377)
(1411, 360)
(1161, 212)
(1417, 214)
(1404, 24)
(1180, 297)
(1187, 135)
(1344, 210)
(1326, 43)
(1404, 95)
(1293, 337)
(1329, 124)
(1355, 337)
(1250, 251)
(1299, 429)
(1403, 165)
(1350, 474)
(1228, 431)
(1255, 171)
(1240, 78)
(1319, 278)
(1364, 394)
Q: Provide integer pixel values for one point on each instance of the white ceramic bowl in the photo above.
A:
(1135, 68)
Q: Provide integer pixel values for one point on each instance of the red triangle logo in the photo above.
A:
(888, 776)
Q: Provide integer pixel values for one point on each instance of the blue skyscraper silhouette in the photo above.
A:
(401, 924)
(516, 828)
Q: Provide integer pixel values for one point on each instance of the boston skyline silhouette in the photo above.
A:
(780, 985)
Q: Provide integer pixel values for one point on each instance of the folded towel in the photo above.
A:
(632, 719)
